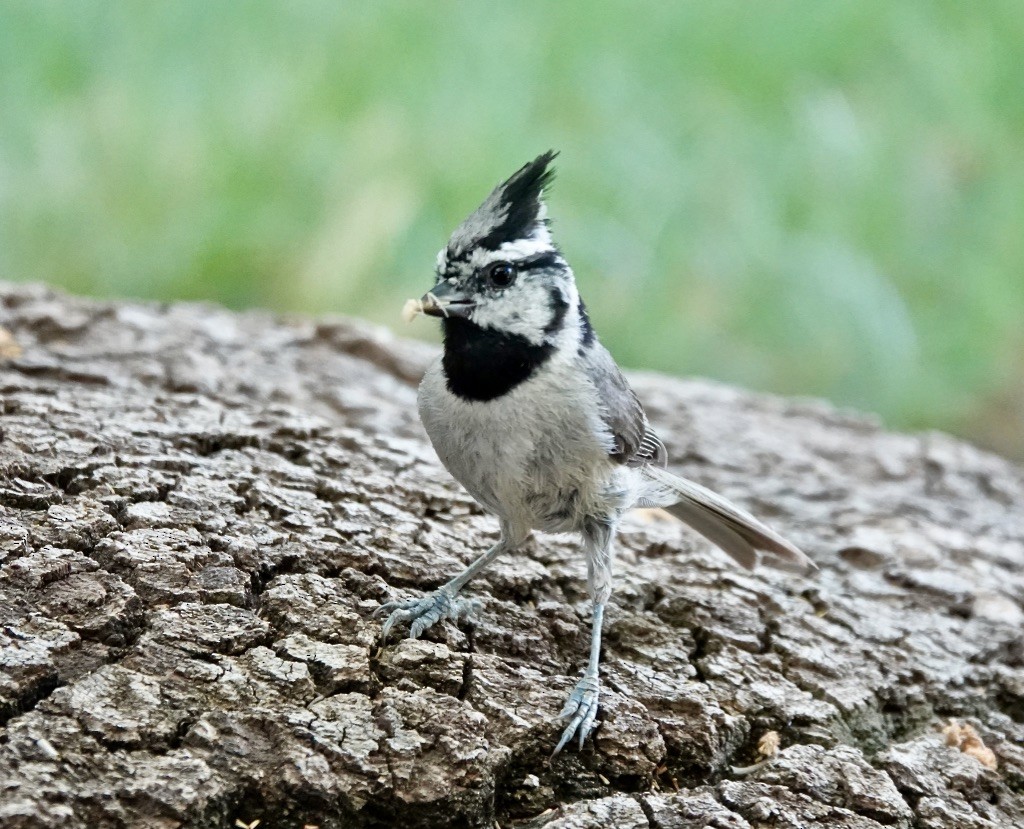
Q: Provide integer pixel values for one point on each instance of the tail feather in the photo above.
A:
(736, 531)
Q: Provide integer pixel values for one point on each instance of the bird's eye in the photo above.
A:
(501, 274)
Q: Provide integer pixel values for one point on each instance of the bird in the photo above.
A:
(531, 414)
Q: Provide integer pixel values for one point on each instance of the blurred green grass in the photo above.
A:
(804, 197)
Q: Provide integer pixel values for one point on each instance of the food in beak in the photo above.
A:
(428, 304)
(411, 308)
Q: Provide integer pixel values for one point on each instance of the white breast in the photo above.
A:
(537, 456)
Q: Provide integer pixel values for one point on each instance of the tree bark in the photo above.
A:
(200, 510)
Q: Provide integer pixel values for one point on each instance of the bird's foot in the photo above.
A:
(424, 612)
(582, 708)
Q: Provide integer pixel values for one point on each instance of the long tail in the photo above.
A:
(736, 531)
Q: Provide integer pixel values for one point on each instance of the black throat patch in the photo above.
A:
(482, 364)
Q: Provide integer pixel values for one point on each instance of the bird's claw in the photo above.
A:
(423, 612)
(582, 707)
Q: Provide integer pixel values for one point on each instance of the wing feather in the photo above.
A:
(634, 441)
(733, 529)
(635, 444)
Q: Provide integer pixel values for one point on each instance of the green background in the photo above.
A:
(821, 198)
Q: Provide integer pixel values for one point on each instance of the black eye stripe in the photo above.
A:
(545, 260)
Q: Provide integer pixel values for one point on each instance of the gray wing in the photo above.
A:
(636, 444)
(721, 522)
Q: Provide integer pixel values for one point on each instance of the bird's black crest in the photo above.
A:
(510, 212)
(522, 193)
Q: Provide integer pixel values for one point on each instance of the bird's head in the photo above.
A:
(501, 272)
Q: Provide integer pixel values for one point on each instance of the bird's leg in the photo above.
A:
(442, 603)
(582, 704)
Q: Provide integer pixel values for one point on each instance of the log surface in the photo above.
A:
(200, 510)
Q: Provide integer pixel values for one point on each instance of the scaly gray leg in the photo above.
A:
(443, 603)
(582, 704)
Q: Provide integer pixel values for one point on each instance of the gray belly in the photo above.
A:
(536, 457)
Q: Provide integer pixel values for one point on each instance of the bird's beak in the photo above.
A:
(447, 301)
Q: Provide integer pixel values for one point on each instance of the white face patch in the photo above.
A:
(527, 310)
(524, 309)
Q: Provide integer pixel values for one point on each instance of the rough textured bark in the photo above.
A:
(199, 511)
